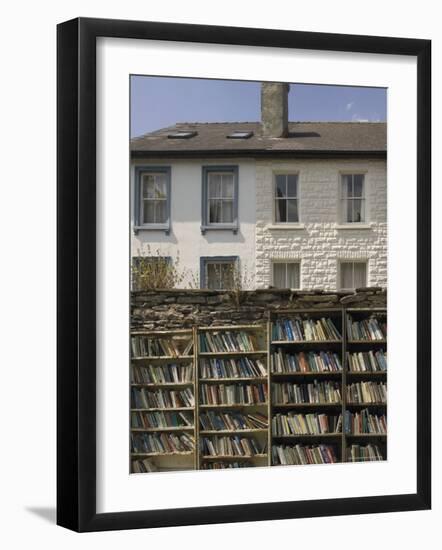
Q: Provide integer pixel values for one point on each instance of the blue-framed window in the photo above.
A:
(152, 198)
(218, 272)
(220, 198)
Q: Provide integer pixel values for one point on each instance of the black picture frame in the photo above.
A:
(76, 273)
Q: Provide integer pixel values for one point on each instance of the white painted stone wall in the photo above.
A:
(320, 243)
(185, 236)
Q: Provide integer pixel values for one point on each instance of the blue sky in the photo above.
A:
(158, 102)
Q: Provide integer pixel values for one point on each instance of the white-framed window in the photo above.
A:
(286, 198)
(286, 275)
(353, 275)
(218, 273)
(353, 198)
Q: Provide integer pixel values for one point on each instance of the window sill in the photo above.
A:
(354, 226)
(159, 227)
(285, 226)
(220, 227)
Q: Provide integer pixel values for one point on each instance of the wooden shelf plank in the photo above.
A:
(245, 431)
(243, 379)
(166, 429)
(357, 436)
(304, 342)
(163, 358)
(175, 453)
(232, 328)
(164, 409)
(336, 374)
(309, 436)
(232, 457)
(161, 384)
(233, 406)
(301, 405)
(231, 353)
(380, 341)
(350, 404)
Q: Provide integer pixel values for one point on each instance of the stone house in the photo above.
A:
(291, 204)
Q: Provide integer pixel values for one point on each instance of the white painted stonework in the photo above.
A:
(320, 241)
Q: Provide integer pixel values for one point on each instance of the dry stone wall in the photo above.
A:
(172, 309)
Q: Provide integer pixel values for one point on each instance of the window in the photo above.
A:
(353, 275)
(150, 272)
(182, 135)
(218, 273)
(240, 135)
(286, 198)
(286, 275)
(152, 203)
(220, 198)
(353, 198)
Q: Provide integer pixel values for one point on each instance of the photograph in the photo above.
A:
(258, 274)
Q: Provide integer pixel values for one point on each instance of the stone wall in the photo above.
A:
(320, 242)
(171, 309)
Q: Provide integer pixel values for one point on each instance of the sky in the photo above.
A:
(158, 102)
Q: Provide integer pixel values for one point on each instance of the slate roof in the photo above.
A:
(305, 139)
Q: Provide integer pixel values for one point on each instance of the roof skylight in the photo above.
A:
(182, 134)
(240, 135)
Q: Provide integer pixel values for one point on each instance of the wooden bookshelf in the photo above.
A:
(263, 350)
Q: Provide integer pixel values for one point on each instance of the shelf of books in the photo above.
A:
(233, 400)
(306, 387)
(365, 381)
(162, 418)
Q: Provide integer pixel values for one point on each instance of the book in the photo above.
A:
(154, 346)
(242, 367)
(284, 455)
(162, 374)
(231, 446)
(316, 392)
(298, 329)
(233, 394)
(161, 419)
(365, 423)
(227, 341)
(143, 466)
(161, 443)
(370, 361)
(305, 424)
(211, 421)
(366, 392)
(364, 453)
(370, 329)
(161, 399)
(322, 361)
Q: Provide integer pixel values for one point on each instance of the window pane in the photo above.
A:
(215, 210)
(212, 276)
(281, 210)
(148, 187)
(279, 275)
(347, 190)
(347, 275)
(280, 186)
(292, 185)
(227, 270)
(360, 275)
(160, 187)
(293, 276)
(349, 204)
(227, 211)
(292, 210)
(160, 212)
(358, 214)
(358, 185)
(149, 211)
(214, 186)
(227, 186)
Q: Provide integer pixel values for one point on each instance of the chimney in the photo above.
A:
(274, 109)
